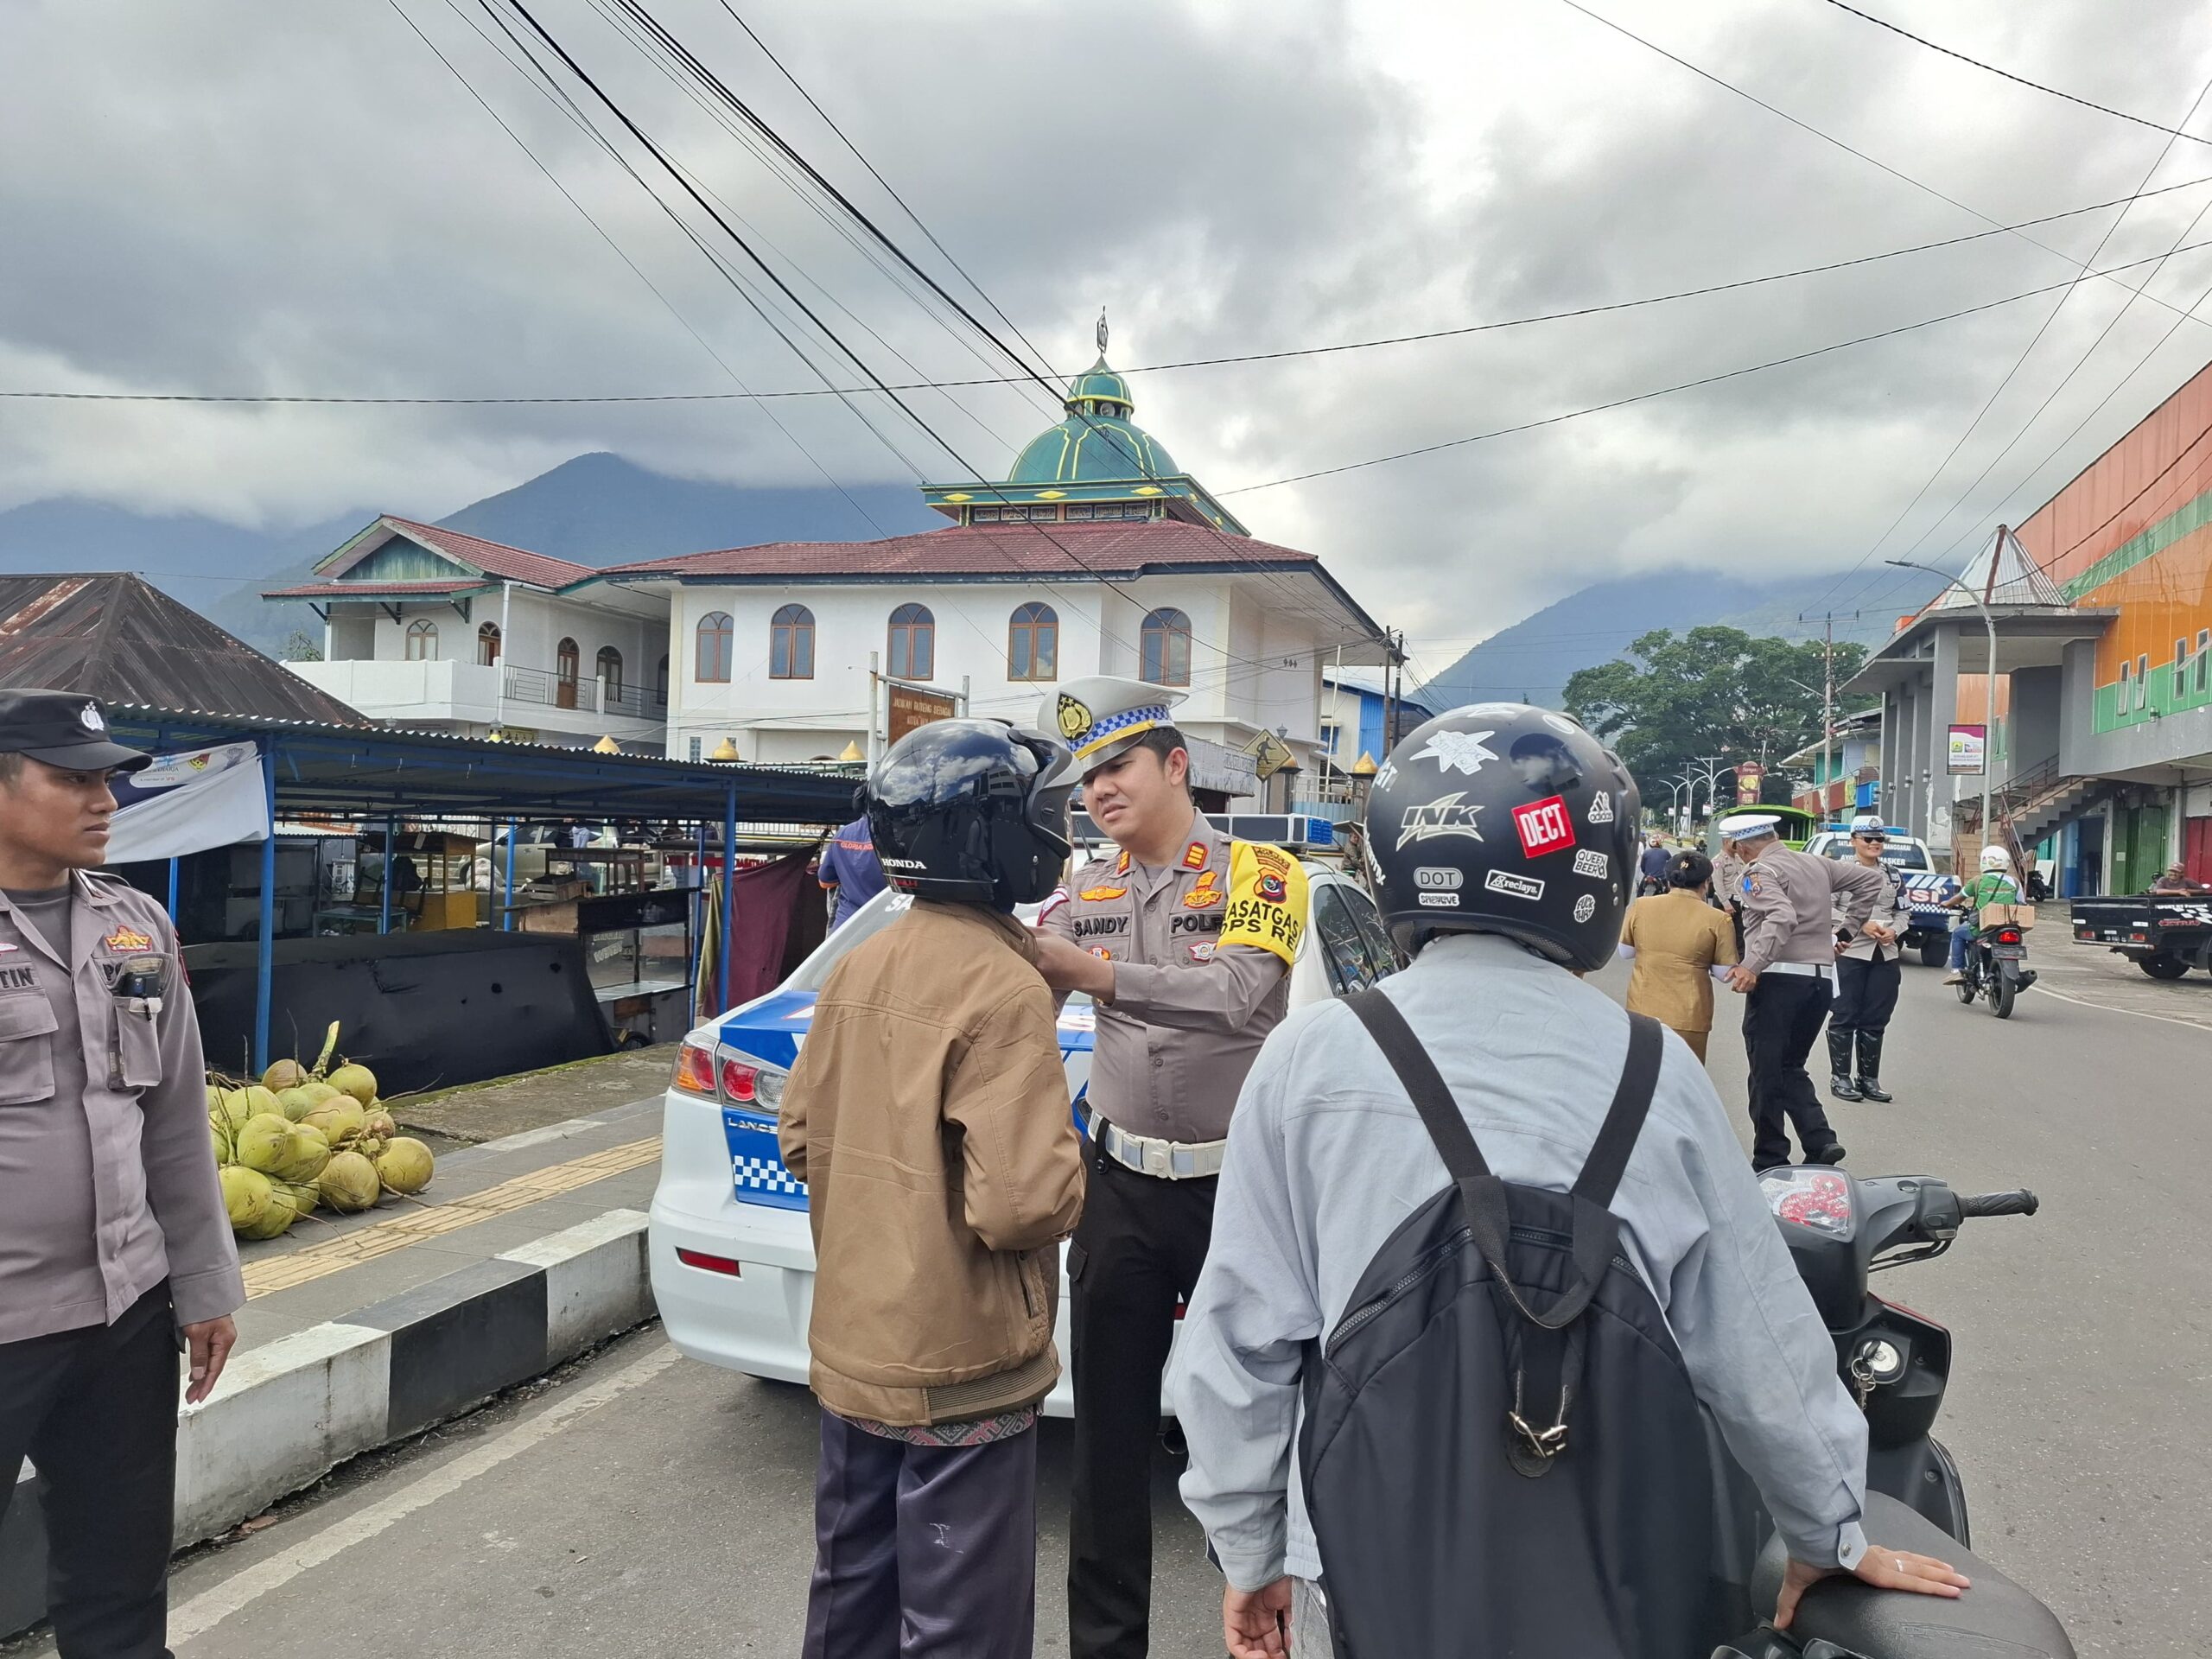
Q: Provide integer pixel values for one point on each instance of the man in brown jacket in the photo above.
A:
(929, 1115)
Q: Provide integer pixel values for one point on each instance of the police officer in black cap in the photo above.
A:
(115, 1249)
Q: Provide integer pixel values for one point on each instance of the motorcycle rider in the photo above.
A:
(1994, 886)
(1651, 866)
(1869, 969)
(1326, 1157)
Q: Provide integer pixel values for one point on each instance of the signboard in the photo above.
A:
(1968, 750)
(912, 708)
(1749, 776)
(1270, 754)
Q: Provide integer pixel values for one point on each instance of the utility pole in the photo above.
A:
(1828, 702)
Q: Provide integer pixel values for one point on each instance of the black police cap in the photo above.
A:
(63, 728)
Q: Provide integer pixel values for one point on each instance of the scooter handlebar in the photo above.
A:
(2022, 1203)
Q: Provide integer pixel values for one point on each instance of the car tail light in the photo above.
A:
(2010, 935)
(741, 1082)
(709, 1263)
(695, 1072)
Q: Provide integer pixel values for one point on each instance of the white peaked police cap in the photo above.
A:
(1744, 825)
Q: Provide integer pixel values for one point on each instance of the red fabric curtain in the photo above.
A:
(762, 915)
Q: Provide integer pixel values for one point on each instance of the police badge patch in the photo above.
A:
(1074, 718)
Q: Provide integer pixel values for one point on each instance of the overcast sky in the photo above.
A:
(261, 196)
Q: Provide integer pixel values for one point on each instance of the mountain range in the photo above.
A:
(600, 510)
(1532, 660)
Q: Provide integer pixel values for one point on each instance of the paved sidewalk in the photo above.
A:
(492, 1111)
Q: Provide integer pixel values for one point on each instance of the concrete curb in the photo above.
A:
(287, 1413)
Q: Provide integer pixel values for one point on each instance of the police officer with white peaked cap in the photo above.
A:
(1790, 914)
(1184, 938)
(1869, 969)
(114, 1250)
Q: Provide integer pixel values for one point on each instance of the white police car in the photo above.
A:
(732, 1258)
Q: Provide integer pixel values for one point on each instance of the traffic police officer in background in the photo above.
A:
(1788, 973)
(1728, 868)
(115, 1249)
(1868, 967)
(1184, 939)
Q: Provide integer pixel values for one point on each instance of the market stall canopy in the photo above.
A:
(364, 772)
(116, 638)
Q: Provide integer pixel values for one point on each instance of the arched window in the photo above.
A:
(1033, 647)
(610, 671)
(423, 641)
(790, 643)
(660, 685)
(913, 643)
(1167, 648)
(715, 631)
(568, 663)
(487, 645)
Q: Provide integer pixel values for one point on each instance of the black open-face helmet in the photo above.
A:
(972, 811)
(1501, 818)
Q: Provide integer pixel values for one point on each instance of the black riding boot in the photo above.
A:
(1840, 1082)
(1870, 1066)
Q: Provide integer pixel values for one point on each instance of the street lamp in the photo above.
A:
(1710, 775)
(1989, 694)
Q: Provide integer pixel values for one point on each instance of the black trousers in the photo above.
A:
(1782, 1016)
(923, 1552)
(1137, 1248)
(95, 1410)
(1867, 994)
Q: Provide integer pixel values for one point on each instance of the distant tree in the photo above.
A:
(302, 647)
(1711, 691)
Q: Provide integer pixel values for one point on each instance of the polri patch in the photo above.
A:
(1205, 892)
(125, 941)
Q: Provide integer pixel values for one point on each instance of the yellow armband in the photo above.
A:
(1267, 900)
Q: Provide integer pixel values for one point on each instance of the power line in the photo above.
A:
(1806, 126)
(1284, 354)
(1689, 386)
(2020, 80)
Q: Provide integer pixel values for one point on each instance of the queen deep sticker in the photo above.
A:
(1267, 900)
(1590, 863)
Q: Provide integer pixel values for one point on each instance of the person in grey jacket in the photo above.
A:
(1327, 1156)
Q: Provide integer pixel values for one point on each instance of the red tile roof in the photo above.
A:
(494, 559)
(1115, 550)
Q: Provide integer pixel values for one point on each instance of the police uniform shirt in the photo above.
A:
(1789, 900)
(1728, 878)
(1890, 910)
(1201, 952)
(108, 1180)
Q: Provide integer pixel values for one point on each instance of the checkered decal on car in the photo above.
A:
(757, 1172)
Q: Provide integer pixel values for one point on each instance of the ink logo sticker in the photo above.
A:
(1461, 752)
(1544, 826)
(1514, 886)
(1594, 864)
(1601, 808)
(1447, 814)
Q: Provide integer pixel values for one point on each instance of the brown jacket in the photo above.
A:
(1677, 937)
(928, 1113)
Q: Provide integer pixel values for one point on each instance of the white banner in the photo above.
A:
(188, 802)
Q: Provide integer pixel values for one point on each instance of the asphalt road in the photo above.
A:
(640, 1503)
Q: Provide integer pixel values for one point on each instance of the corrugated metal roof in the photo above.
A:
(376, 589)
(114, 637)
(494, 558)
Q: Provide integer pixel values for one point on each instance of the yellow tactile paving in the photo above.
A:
(412, 1224)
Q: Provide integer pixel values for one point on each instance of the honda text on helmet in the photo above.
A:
(1501, 819)
(972, 811)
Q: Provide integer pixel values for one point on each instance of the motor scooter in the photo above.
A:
(1896, 1363)
(1996, 968)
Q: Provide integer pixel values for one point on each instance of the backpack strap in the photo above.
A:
(1481, 1195)
(1601, 1172)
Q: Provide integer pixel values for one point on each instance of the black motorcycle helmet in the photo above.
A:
(972, 811)
(1501, 819)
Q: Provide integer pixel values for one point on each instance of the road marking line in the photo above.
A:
(412, 1225)
(2107, 1007)
(211, 1607)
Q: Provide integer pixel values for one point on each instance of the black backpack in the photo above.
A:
(1502, 1454)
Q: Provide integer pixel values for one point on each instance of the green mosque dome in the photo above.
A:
(1097, 442)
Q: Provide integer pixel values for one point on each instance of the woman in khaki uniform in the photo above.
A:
(1676, 940)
